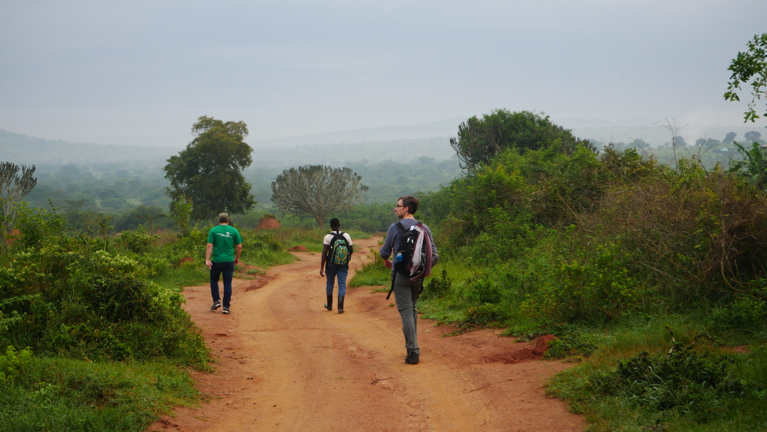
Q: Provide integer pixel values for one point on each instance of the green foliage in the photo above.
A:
(436, 287)
(209, 170)
(487, 314)
(55, 394)
(749, 66)
(480, 140)
(573, 344)
(683, 382)
(753, 166)
(597, 287)
(12, 361)
(90, 303)
(138, 241)
(745, 311)
(372, 273)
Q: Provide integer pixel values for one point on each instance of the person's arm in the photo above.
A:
(388, 246)
(324, 259)
(238, 251)
(350, 243)
(208, 251)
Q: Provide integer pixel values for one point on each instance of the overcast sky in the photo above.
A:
(141, 72)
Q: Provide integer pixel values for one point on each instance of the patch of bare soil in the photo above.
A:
(268, 223)
(286, 363)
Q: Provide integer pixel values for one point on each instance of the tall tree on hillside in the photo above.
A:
(480, 139)
(750, 66)
(209, 171)
(15, 183)
(317, 190)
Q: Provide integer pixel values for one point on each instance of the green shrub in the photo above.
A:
(487, 314)
(137, 241)
(12, 361)
(684, 381)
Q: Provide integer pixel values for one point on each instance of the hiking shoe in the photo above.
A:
(226, 310)
(412, 358)
(216, 305)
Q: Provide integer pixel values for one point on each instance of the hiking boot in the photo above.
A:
(226, 310)
(412, 358)
(341, 304)
(329, 304)
(216, 305)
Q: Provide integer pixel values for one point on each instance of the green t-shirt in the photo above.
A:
(223, 238)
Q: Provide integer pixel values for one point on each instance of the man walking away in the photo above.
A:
(407, 289)
(222, 254)
(337, 251)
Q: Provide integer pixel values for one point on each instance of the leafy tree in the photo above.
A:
(753, 165)
(15, 182)
(750, 65)
(209, 170)
(316, 190)
(479, 140)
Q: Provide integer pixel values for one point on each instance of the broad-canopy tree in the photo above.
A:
(209, 171)
(750, 66)
(317, 190)
(15, 182)
(480, 139)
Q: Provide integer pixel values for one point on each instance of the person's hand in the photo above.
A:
(387, 263)
(322, 272)
(209, 264)
(236, 261)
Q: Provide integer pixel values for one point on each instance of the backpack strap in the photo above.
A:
(402, 231)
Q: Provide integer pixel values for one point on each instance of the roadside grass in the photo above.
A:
(57, 394)
(186, 274)
(590, 387)
(372, 273)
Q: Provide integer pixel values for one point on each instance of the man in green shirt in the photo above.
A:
(223, 252)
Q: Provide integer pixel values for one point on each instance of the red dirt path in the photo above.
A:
(287, 364)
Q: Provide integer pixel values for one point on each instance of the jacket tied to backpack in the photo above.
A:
(416, 251)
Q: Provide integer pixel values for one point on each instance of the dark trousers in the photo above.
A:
(216, 270)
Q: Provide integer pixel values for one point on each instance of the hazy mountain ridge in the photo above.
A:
(23, 149)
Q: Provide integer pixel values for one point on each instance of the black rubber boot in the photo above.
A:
(329, 304)
(341, 304)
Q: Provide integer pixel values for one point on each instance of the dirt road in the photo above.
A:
(287, 364)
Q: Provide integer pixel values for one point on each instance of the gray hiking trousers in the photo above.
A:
(406, 295)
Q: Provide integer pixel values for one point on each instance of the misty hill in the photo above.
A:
(23, 149)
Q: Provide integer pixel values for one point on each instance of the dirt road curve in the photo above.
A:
(287, 364)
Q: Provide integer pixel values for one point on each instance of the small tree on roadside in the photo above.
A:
(15, 183)
(317, 190)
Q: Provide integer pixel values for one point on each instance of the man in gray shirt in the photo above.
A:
(406, 291)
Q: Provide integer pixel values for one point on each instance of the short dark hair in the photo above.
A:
(222, 219)
(410, 202)
(335, 223)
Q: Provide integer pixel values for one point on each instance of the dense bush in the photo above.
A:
(89, 302)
